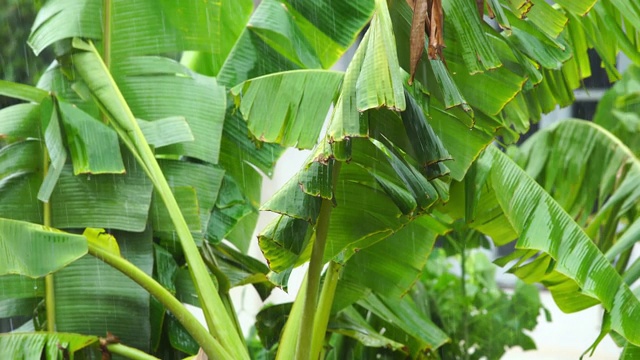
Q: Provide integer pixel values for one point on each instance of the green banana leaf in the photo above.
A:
(297, 118)
(595, 193)
(35, 250)
(617, 110)
(389, 267)
(49, 346)
(117, 304)
(576, 272)
(300, 37)
(158, 88)
(20, 295)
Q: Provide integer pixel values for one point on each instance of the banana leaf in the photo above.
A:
(49, 346)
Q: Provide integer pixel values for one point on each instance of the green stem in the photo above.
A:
(211, 346)
(49, 294)
(223, 287)
(92, 69)
(633, 273)
(303, 346)
(291, 331)
(324, 308)
(129, 352)
(623, 260)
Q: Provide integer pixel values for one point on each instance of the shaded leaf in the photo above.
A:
(93, 145)
(118, 305)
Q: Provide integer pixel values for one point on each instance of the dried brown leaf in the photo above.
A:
(418, 22)
(490, 11)
(436, 26)
(480, 5)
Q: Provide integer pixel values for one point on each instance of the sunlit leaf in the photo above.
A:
(28, 249)
(297, 118)
(50, 346)
(477, 54)
(575, 255)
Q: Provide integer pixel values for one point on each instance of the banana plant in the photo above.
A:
(168, 155)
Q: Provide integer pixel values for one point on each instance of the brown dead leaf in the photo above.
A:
(418, 22)
(480, 5)
(490, 12)
(436, 26)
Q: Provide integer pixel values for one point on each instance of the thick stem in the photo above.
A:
(223, 287)
(92, 69)
(324, 308)
(211, 346)
(288, 340)
(129, 352)
(303, 346)
(49, 295)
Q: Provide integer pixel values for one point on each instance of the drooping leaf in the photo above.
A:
(404, 319)
(576, 257)
(546, 18)
(379, 81)
(297, 118)
(28, 249)
(233, 18)
(322, 31)
(93, 145)
(55, 147)
(22, 92)
(50, 346)
(230, 208)
(477, 53)
(389, 267)
(329, 26)
(349, 322)
(20, 121)
(579, 7)
(275, 25)
(167, 131)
